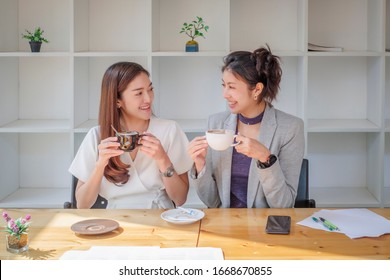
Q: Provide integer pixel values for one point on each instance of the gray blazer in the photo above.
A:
(275, 186)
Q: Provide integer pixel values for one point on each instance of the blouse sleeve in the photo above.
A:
(177, 150)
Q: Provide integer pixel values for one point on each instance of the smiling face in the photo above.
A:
(240, 98)
(136, 100)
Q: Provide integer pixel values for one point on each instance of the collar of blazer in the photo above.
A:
(268, 125)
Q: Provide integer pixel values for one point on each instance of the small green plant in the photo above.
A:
(193, 29)
(36, 36)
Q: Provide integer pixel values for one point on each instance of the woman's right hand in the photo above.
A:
(108, 148)
(197, 149)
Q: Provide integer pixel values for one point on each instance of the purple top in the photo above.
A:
(239, 180)
(240, 170)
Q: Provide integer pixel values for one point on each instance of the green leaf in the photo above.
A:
(192, 29)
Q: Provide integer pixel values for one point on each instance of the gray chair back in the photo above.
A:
(101, 202)
(303, 199)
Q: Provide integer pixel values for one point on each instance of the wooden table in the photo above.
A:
(50, 234)
(239, 232)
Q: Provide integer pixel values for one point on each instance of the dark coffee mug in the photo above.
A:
(129, 140)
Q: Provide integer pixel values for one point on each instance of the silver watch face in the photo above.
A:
(169, 172)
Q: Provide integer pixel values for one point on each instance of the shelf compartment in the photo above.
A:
(9, 89)
(345, 53)
(387, 94)
(168, 17)
(355, 25)
(34, 89)
(343, 197)
(193, 125)
(78, 139)
(345, 169)
(341, 125)
(25, 126)
(329, 97)
(198, 90)
(291, 95)
(387, 27)
(189, 54)
(386, 192)
(37, 198)
(86, 126)
(270, 21)
(88, 75)
(17, 16)
(111, 54)
(111, 26)
(33, 159)
(9, 164)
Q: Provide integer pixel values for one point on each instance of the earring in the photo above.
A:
(256, 96)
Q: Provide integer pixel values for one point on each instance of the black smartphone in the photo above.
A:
(278, 224)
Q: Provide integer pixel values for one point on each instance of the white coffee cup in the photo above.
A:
(220, 139)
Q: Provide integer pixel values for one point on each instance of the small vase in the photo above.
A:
(16, 244)
(192, 46)
(35, 46)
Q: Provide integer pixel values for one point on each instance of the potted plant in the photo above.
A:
(17, 233)
(35, 39)
(194, 30)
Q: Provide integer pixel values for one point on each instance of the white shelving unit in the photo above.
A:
(49, 100)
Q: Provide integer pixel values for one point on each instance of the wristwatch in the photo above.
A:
(270, 161)
(169, 172)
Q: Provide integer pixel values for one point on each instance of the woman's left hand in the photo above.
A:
(152, 146)
(252, 148)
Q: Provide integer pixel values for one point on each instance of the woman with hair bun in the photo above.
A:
(263, 169)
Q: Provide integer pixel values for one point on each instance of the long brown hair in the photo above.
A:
(115, 81)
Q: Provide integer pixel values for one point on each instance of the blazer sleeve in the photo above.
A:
(280, 181)
(205, 182)
(205, 185)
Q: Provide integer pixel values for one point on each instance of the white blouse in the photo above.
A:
(145, 188)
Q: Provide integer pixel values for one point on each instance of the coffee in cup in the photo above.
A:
(220, 139)
(128, 140)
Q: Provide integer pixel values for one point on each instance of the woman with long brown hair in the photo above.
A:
(154, 174)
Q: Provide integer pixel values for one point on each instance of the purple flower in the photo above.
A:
(16, 227)
(6, 217)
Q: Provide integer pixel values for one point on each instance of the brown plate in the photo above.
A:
(94, 226)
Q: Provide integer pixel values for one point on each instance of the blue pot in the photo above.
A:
(193, 47)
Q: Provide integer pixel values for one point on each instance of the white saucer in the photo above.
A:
(181, 217)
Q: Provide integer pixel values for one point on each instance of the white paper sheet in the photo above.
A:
(144, 253)
(354, 223)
